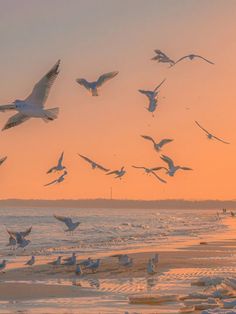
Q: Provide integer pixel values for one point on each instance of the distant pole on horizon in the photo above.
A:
(111, 195)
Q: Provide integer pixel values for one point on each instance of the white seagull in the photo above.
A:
(59, 165)
(152, 97)
(93, 86)
(209, 135)
(58, 180)
(33, 105)
(157, 146)
(93, 164)
(171, 167)
(151, 171)
(162, 57)
(193, 56)
(119, 173)
(68, 222)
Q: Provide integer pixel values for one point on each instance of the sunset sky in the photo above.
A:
(93, 37)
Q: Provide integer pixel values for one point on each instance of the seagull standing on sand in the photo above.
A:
(157, 146)
(33, 105)
(162, 57)
(59, 166)
(71, 260)
(152, 97)
(58, 180)
(57, 262)
(94, 265)
(119, 173)
(3, 265)
(151, 171)
(93, 164)
(171, 167)
(68, 222)
(93, 86)
(31, 261)
(209, 135)
(78, 270)
(193, 56)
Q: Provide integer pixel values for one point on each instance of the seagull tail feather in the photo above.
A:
(51, 114)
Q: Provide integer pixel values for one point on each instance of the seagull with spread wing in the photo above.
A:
(59, 166)
(209, 135)
(93, 164)
(68, 222)
(119, 173)
(192, 57)
(151, 171)
(33, 105)
(171, 166)
(152, 97)
(157, 146)
(162, 57)
(58, 180)
(93, 86)
(14, 234)
(20, 237)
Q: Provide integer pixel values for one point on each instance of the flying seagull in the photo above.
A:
(93, 86)
(157, 146)
(152, 97)
(58, 180)
(162, 57)
(33, 105)
(119, 173)
(193, 56)
(93, 164)
(151, 171)
(171, 167)
(209, 135)
(59, 165)
(68, 222)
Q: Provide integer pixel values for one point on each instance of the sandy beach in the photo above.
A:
(212, 255)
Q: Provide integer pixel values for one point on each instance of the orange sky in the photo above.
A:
(93, 37)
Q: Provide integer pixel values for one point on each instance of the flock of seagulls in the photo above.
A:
(33, 107)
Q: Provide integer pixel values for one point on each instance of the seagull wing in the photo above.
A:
(204, 59)
(41, 89)
(15, 120)
(84, 82)
(149, 138)
(102, 168)
(26, 232)
(219, 139)
(61, 158)
(2, 160)
(158, 168)
(165, 141)
(185, 57)
(51, 169)
(147, 93)
(112, 172)
(7, 107)
(105, 77)
(186, 168)
(66, 220)
(201, 127)
(137, 167)
(159, 178)
(52, 182)
(86, 159)
(158, 86)
(168, 160)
